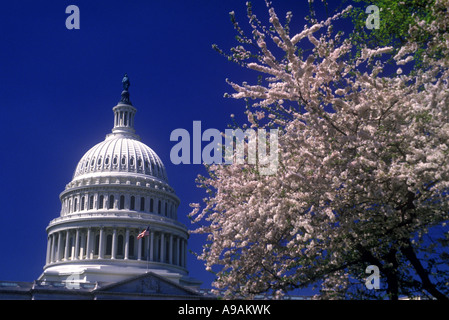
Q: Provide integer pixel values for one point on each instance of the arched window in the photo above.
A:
(75, 204)
(123, 160)
(167, 251)
(151, 205)
(91, 202)
(122, 202)
(142, 203)
(132, 203)
(100, 202)
(131, 246)
(115, 160)
(131, 161)
(120, 245)
(159, 205)
(111, 202)
(83, 199)
(109, 244)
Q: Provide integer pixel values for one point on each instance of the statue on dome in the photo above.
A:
(125, 93)
(125, 82)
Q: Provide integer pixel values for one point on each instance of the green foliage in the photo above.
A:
(398, 24)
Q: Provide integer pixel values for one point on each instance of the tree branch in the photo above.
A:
(422, 273)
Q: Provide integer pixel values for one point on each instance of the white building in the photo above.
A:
(119, 189)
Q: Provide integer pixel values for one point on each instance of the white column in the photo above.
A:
(151, 246)
(126, 244)
(77, 245)
(66, 248)
(58, 252)
(114, 244)
(83, 245)
(88, 244)
(52, 247)
(47, 258)
(100, 244)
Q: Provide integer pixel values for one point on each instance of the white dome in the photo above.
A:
(120, 153)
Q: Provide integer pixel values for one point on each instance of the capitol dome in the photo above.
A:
(120, 154)
(119, 192)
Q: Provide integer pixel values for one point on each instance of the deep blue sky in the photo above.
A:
(58, 87)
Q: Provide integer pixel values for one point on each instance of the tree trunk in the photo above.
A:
(422, 273)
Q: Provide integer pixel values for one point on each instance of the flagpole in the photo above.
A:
(144, 234)
(148, 253)
(148, 256)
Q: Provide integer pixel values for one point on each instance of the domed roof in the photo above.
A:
(121, 153)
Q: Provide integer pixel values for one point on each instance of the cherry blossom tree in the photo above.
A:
(363, 170)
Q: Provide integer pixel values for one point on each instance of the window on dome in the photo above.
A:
(75, 204)
(151, 205)
(132, 203)
(120, 245)
(108, 244)
(82, 203)
(166, 209)
(115, 160)
(159, 207)
(131, 246)
(139, 162)
(131, 161)
(99, 161)
(122, 202)
(97, 245)
(123, 160)
(142, 204)
(111, 202)
(100, 202)
(92, 162)
(91, 202)
(106, 161)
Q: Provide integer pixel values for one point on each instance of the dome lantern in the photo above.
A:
(124, 113)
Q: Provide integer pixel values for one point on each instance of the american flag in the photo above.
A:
(144, 233)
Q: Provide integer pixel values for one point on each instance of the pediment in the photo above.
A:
(147, 284)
